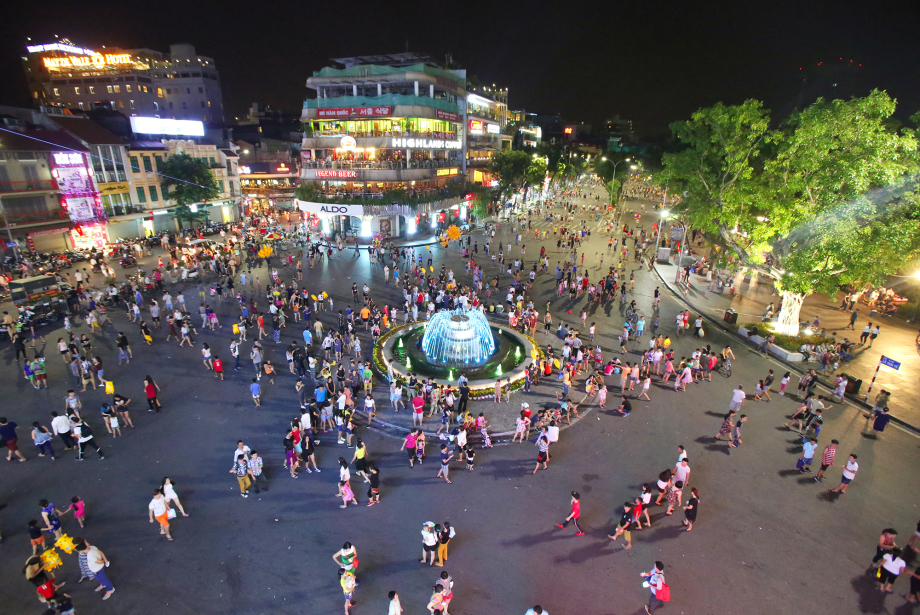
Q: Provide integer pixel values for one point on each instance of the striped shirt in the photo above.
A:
(829, 451)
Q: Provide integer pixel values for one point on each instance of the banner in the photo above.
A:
(330, 208)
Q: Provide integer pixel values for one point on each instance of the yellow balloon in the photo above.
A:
(313, 297)
(556, 363)
(432, 269)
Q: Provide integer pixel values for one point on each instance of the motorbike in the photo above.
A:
(128, 261)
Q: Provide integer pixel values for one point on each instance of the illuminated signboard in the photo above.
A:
(327, 173)
(245, 171)
(568, 130)
(354, 112)
(89, 236)
(161, 126)
(60, 47)
(476, 127)
(348, 143)
(73, 180)
(282, 168)
(446, 115)
(493, 129)
(97, 60)
(425, 143)
(114, 188)
(446, 172)
(80, 209)
(68, 159)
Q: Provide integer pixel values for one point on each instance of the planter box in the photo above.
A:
(756, 339)
(742, 332)
(787, 355)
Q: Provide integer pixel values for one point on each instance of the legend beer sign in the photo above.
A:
(425, 143)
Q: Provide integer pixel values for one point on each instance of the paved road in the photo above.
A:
(768, 540)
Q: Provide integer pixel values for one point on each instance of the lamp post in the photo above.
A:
(664, 215)
(612, 186)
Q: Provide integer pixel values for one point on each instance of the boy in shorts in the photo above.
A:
(623, 526)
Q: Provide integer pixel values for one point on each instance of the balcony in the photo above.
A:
(379, 170)
(380, 139)
(36, 217)
(399, 105)
(28, 185)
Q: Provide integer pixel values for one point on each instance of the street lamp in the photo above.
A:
(664, 215)
(613, 179)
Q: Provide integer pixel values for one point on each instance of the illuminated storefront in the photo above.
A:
(268, 186)
(80, 199)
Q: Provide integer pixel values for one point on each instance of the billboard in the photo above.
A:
(162, 126)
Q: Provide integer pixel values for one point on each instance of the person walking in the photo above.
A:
(849, 473)
(446, 456)
(892, 566)
(691, 508)
(151, 389)
(445, 534)
(573, 515)
(623, 526)
(736, 440)
(93, 563)
(9, 439)
(159, 509)
(726, 428)
(169, 494)
(241, 469)
(738, 396)
(84, 435)
(661, 593)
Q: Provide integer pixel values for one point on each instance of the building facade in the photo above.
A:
(379, 126)
(487, 117)
(179, 85)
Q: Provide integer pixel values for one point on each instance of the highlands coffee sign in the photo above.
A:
(330, 209)
(425, 143)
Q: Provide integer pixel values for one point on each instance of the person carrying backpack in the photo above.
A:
(661, 593)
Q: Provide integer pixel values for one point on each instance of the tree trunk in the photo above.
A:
(788, 322)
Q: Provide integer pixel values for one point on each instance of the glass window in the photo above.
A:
(141, 197)
(127, 88)
(92, 89)
(118, 89)
(153, 194)
(165, 190)
(109, 89)
(202, 104)
(160, 92)
(57, 92)
(134, 166)
(211, 160)
(76, 91)
(157, 160)
(132, 103)
(169, 90)
(147, 164)
(201, 90)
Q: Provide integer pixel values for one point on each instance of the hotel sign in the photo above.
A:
(354, 112)
(446, 115)
(97, 60)
(425, 143)
(336, 173)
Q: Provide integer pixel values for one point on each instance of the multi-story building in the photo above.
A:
(49, 199)
(487, 117)
(179, 85)
(268, 185)
(151, 193)
(388, 124)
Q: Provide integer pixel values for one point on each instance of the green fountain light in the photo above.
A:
(498, 372)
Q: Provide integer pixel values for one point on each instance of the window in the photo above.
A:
(147, 164)
(184, 105)
(201, 90)
(153, 194)
(121, 103)
(169, 90)
(170, 105)
(57, 92)
(132, 103)
(76, 91)
(160, 92)
(127, 88)
(188, 90)
(92, 89)
(117, 89)
(156, 106)
(165, 190)
(80, 104)
(157, 161)
(134, 166)
(25, 204)
(209, 104)
(109, 89)
(202, 104)
(29, 172)
(141, 197)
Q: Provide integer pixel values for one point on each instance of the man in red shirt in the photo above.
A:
(827, 460)
(418, 408)
(574, 515)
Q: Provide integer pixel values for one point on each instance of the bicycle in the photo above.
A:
(726, 368)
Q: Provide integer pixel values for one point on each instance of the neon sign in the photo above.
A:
(68, 159)
(348, 142)
(282, 168)
(425, 143)
(97, 60)
(325, 173)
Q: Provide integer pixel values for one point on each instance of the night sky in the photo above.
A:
(650, 62)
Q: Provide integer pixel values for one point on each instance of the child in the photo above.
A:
(346, 494)
(419, 445)
(36, 537)
(111, 420)
(783, 383)
(602, 396)
(470, 457)
(758, 391)
(218, 367)
(78, 507)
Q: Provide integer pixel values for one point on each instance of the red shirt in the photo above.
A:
(829, 453)
(46, 589)
(218, 365)
(576, 509)
(418, 404)
(150, 390)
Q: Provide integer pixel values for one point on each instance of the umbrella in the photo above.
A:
(272, 236)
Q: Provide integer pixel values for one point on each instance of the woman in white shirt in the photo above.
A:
(892, 566)
(169, 494)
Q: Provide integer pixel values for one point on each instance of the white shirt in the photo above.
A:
(851, 470)
(158, 506)
(893, 565)
(429, 538)
(238, 450)
(461, 438)
(681, 457)
(738, 395)
(552, 434)
(395, 608)
(92, 559)
(681, 473)
(531, 612)
(60, 424)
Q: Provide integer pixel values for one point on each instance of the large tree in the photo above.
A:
(191, 181)
(827, 199)
(517, 169)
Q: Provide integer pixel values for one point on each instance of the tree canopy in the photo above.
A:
(191, 181)
(827, 198)
(517, 169)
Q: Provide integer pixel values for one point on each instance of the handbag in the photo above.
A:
(664, 594)
(800, 463)
(170, 513)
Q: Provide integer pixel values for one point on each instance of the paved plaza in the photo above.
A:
(767, 539)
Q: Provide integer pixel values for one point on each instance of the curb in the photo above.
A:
(792, 366)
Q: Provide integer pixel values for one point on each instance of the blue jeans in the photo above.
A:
(99, 575)
(123, 354)
(45, 449)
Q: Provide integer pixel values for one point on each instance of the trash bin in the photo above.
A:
(731, 316)
(853, 383)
